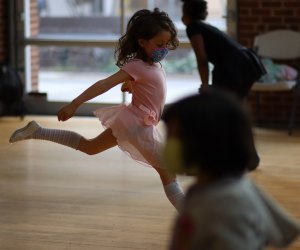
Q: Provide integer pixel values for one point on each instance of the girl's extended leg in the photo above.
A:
(172, 188)
(99, 144)
(71, 139)
(96, 145)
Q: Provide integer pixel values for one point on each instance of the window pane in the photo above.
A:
(216, 12)
(182, 75)
(172, 7)
(79, 17)
(67, 71)
(64, 72)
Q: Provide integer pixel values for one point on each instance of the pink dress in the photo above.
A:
(134, 124)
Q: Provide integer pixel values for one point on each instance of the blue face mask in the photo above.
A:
(159, 54)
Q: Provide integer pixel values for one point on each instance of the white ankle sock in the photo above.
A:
(64, 137)
(175, 194)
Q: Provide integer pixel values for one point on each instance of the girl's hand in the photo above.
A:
(66, 112)
(126, 87)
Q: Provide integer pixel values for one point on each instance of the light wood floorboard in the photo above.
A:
(53, 197)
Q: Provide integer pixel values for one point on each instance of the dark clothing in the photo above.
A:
(236, 68)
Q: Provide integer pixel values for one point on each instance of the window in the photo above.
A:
(70, 45)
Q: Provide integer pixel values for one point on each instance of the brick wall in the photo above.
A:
(259, 16)
(35, 56)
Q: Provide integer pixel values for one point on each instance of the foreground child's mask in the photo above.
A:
(172, 156)
(159, 54)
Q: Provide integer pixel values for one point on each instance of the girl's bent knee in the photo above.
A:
(86, 146)
(87, 151)
(90, 152)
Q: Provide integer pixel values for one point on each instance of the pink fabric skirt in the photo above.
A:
(135, 135)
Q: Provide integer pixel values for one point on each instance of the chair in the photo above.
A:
(283, 45)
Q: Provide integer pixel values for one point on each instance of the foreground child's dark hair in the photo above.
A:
(144, 24)
(215, 132)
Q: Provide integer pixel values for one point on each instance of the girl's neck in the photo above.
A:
(145, 60)
(151, 63)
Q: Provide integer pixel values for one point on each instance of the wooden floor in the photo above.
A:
(53, 197)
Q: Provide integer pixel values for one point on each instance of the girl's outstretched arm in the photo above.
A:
(96, 89)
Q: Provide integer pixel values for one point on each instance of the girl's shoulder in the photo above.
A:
(135, 61)
(140, 64)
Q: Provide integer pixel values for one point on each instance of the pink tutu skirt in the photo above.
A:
(135, 130)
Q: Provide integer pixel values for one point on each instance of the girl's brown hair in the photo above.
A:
(144, 24)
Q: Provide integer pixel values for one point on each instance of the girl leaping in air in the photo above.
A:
(149, 36)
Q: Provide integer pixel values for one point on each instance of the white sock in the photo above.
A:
(63, 137)
(175, 194)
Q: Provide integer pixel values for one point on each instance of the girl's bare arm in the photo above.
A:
(96, 89)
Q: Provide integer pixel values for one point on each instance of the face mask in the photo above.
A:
(159, 54)
(173, 158)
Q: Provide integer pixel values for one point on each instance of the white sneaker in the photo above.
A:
(25, 132)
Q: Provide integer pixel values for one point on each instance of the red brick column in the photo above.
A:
(35, 55)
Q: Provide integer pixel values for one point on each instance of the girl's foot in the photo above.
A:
(25, 132)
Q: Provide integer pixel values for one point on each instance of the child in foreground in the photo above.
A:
(133, 127)
(209, 136)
